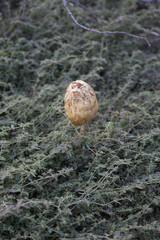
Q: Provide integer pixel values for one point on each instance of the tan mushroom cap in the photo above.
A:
(80, 103)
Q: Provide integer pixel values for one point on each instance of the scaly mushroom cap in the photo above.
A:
(80, 103)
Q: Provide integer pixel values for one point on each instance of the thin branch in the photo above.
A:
(94, 17)
(24, 8)
(102, 32)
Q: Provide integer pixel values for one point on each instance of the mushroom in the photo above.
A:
(80, 104)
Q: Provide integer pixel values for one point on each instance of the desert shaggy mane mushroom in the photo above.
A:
(80, 103)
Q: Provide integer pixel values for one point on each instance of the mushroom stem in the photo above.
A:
(83, 129)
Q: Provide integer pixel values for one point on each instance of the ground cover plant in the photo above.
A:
(54, 184)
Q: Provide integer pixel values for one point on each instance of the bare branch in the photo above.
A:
(102, 32)
(94, 17)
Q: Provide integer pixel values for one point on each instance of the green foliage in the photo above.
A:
(55, 184)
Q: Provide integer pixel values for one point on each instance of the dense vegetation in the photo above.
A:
(55, 184)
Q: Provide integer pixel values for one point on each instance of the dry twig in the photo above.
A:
(102, 32)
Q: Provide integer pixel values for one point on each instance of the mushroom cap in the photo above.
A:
(80, 103)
